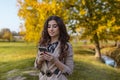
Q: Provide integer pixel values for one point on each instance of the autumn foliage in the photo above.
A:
(35, 13)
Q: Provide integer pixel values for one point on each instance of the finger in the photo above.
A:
(41, 56)
(46, 58)
(49, 58)
(48, 53)
(41, 53)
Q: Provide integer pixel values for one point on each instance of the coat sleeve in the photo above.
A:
(36, 65)
(69, 63)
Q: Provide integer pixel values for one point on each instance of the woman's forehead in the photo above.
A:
(52, 22)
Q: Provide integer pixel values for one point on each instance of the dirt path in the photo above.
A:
(17, 74)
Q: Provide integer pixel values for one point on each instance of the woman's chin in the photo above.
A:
(51, 35)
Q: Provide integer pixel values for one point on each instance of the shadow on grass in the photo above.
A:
(13, 69)
(82, 71)
(83, 51)
(87, 71)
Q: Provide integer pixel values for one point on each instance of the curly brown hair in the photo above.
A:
(63, 36)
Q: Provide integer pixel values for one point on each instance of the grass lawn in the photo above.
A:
(17, 59)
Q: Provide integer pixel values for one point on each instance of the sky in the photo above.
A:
(8, 15)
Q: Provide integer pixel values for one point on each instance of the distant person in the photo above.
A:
(56, 61)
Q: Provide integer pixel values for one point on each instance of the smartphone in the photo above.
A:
(42, 49)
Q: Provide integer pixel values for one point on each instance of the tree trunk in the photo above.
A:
(97, 47)
(115, 43)
(118, 44)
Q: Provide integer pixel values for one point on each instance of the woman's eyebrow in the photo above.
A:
(52, 24)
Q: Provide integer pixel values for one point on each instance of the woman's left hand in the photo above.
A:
(48, 56)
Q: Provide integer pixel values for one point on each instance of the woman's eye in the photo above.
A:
(54, 26)
(48, 26)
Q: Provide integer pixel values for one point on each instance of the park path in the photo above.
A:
(17, 74)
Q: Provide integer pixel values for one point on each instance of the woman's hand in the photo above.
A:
(41, 57)
(48, 56)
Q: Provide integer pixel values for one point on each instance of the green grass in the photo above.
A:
(15, 56)
(17, 59)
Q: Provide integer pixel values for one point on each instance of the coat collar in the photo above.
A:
(57, 50)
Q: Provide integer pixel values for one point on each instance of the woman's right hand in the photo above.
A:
(41, 57)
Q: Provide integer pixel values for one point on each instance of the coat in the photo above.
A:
(68, 65)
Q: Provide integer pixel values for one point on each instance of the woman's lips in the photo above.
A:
(51, 32)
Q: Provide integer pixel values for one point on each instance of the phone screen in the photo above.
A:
(42, 49)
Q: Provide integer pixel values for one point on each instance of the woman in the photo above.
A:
(57, 61)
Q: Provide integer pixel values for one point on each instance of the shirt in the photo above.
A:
(51, 47)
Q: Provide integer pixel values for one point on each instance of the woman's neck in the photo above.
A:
(55, 39)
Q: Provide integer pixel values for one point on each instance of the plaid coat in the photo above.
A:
(68, 65)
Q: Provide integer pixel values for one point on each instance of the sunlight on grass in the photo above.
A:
(16, 51)
(17, 60)
(16, 57)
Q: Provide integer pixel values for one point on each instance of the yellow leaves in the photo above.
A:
(78, 29)
(111, 22)
(115, 28)
(53, 5)
(82, 12)
(103, 18)
(117, 37)
(83, 2)
(71, 2)
(101, 28)
(35, 13)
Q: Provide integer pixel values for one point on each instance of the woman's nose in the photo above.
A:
(51, 28)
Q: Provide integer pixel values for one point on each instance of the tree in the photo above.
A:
(34, 14)
(6, 34)
(98, 18)
(95, 17)
(1, 35)
(14, 33)
(114, 24)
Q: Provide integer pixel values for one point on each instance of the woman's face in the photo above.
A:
(53, 29)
